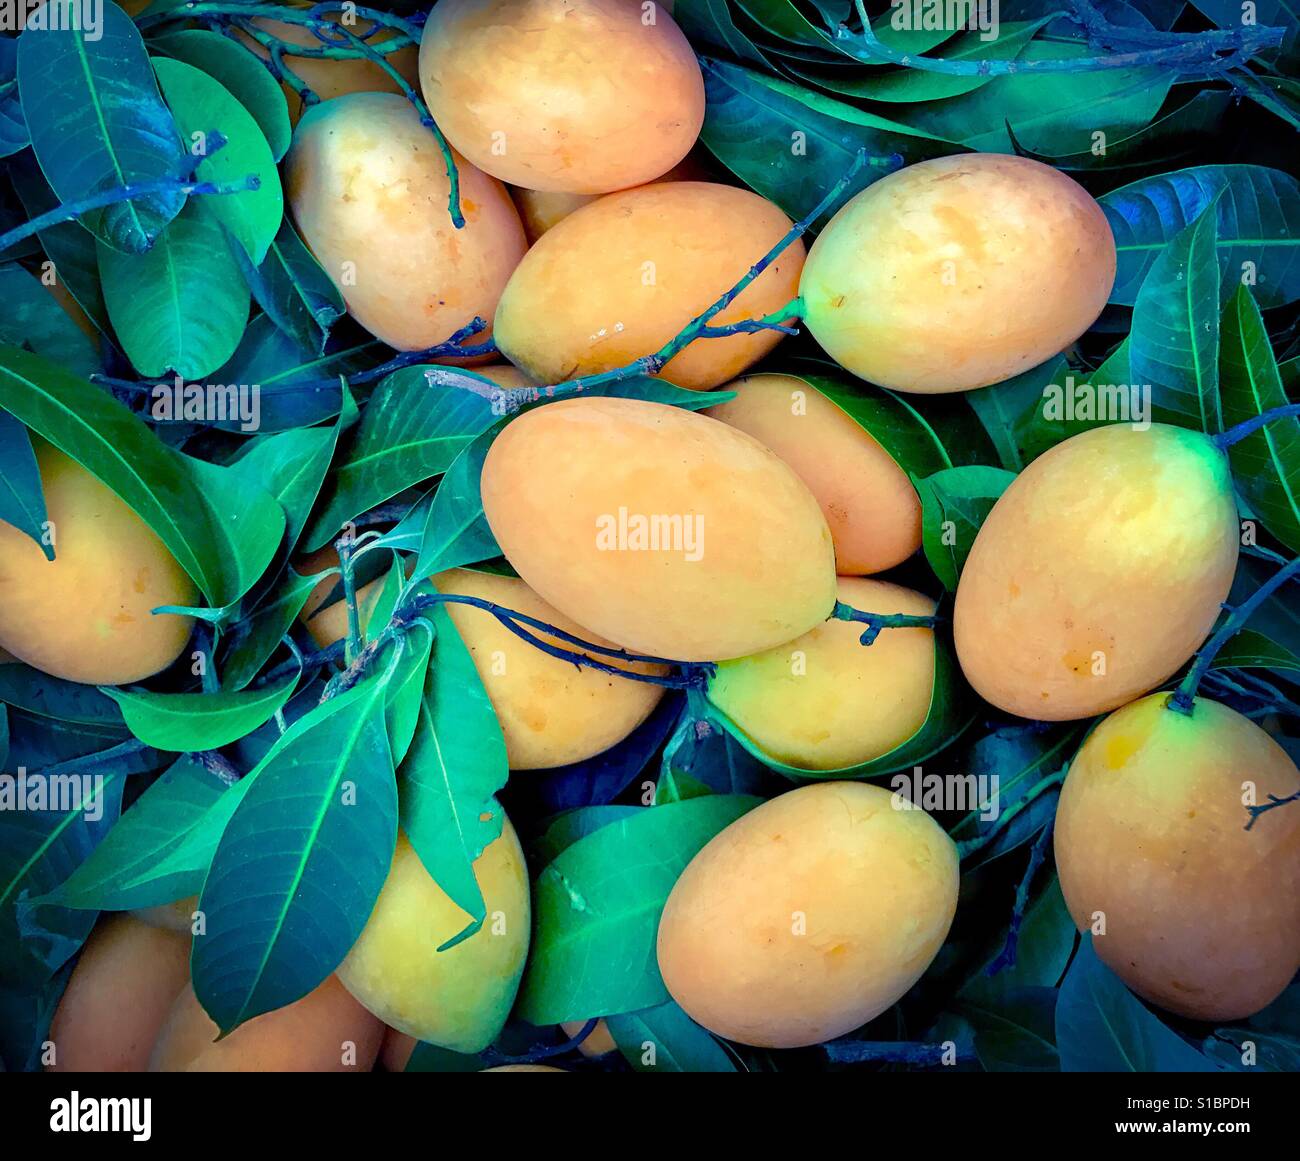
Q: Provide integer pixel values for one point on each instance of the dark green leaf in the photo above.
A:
(954, 504)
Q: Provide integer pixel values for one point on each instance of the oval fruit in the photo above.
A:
(584, 96)
(118, 996)
(958, 272)
(1098, 573)
(825, 701)
(1202, 916)
(368, 189)
(724, 554)
(325, 1031)
(618, 279)
(87, 615)
(869, 503)
(808, 916)
(551, 712)
(458, 998)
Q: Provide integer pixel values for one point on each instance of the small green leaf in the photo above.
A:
(954, 504)
(666, 1039)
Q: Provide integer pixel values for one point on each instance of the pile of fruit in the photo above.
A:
(494, 591)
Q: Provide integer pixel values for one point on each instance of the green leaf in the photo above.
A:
(1174, 343)
(1266, 464)
(201, 105)
(39, 848)
(597, 909)
(301, 861)
(158, 851)
(709, 22)
(253, 639)
(1020, 1035)
(954, 504)
(238, 70)
(406, 688)
(183, 722)
(22, 499)
(294, 290)
(97, 122)
(181, 306)
(1257, 228)
(1102, 1027)
(117, 448)
(1047, 112)
(53, 697)
(1252, 650)
(456, 531)
(791, 144)
(34, 319)
(455, 766)
(666, 1039)
(1015, 416)
(409, 433)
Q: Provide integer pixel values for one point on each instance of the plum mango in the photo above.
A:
(869, 503)
(828, 902)
(551, 712)
(585, 96)
(368, 189)
(458, 998)
(118, 996)
(958, 272)
(325, 1031)
(1201, 916)
(618, 279)
(722, 555)
(1098, 572)
(87, 615)
(824, 701)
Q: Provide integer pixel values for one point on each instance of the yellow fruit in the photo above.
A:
(395, 1053)
(869, 503)
(368, 190)
(86, 616)
(1098, 573)
(325, 1031)
(1202, 916)
(825, 701)
(582, 96)
(599, 1043)
(335, 78)
(551, 712)
(666, 531)
(458, 998)
(621, 277)
(958, 272)
(808, 916)
(118, 996)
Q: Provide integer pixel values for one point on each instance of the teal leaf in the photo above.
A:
(53, 697)
(34, 319)
(202, 105)
(597, 909)
(238, 70)
(666, 1039)
(301, 861)
(1102, 1027)
(184, 722)
(1174, 343)
(13, 125)
(1266, 463)
(254, 638)
(294, 290)
(97, 122)
(22, 499)
(1257, 213)
(453, 770)
(182, 305)
(954, 505)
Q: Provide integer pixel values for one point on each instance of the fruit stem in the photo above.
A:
(968, 847)
(875, 622)
(699, 326)
(1186, 52)
(1249, 426)
(543, 1052)
(356, 642)
(1272, 804)
(68, 211)
(1006, 958)
(1180, 701)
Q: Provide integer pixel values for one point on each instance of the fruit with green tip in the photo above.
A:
(1189, 908)
(1098, 572)
(958, 272)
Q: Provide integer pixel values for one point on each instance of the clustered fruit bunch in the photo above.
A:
(559, 661)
